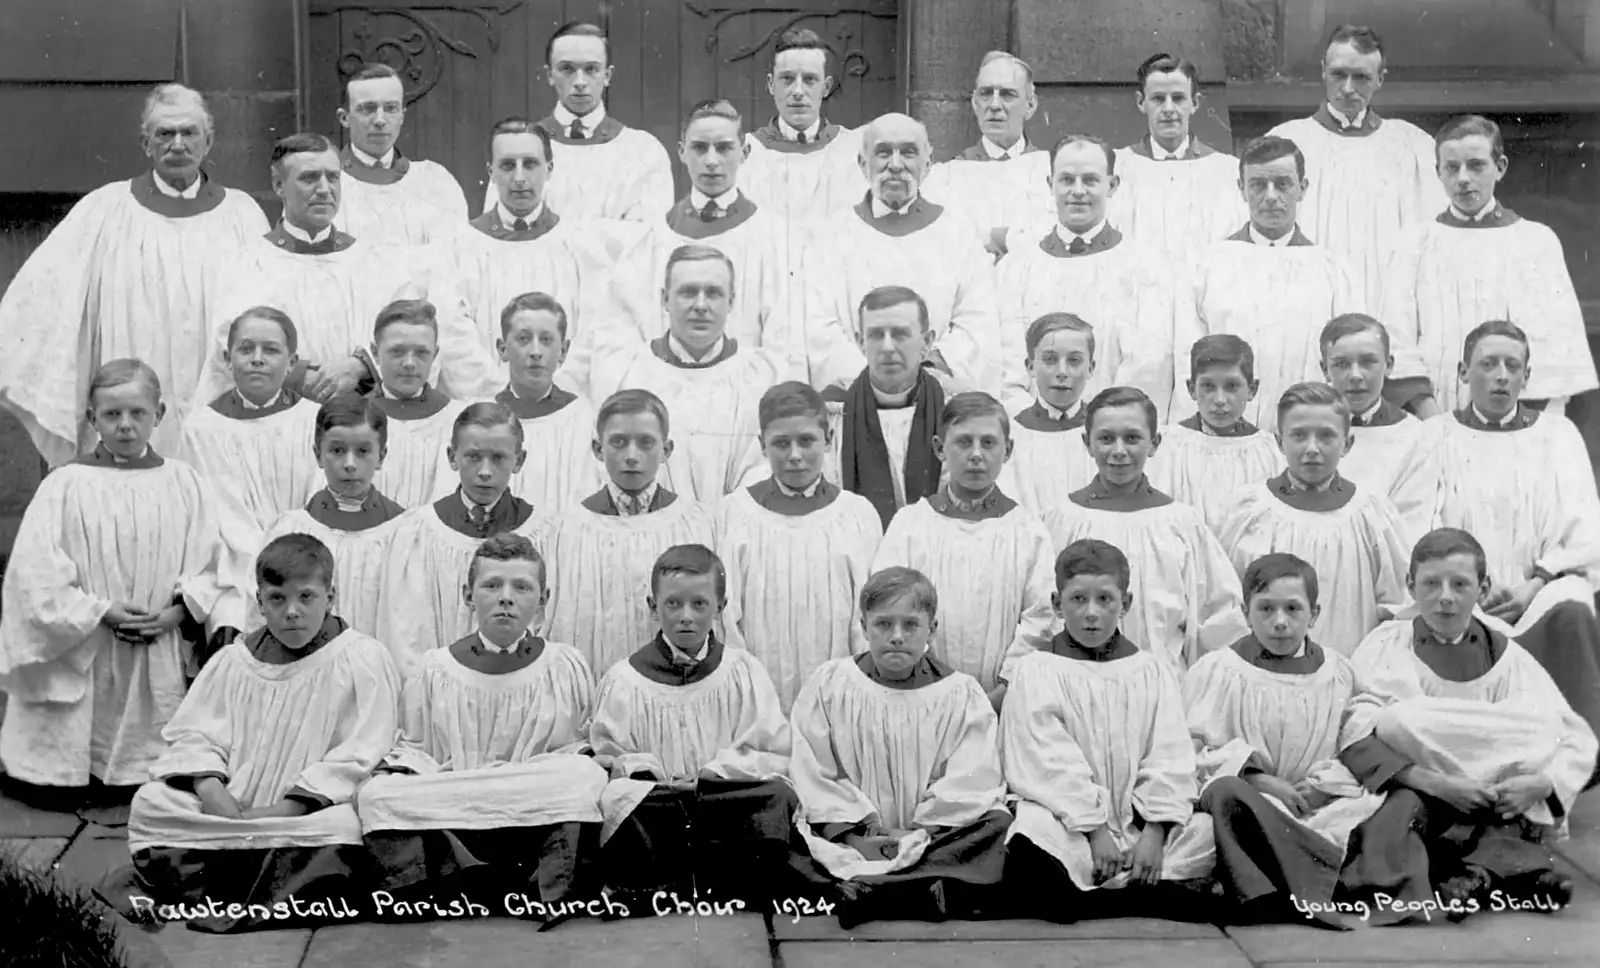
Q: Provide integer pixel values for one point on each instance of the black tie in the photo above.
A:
(709, 213)
(479, 516)
(520, 225)
(576, 131)
(800, 136)
(1077, 246)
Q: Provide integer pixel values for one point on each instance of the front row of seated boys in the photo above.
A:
(1275, 779)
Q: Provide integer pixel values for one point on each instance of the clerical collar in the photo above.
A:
(632, 505)
(892, 401)
(1345, 123)
(881, 210)
(493, 649)
(792, 133)
(1282, 242)
(389, 394)
(509, 218)
(998, 153)
(337, 513)
(468, 503)
(1485, 213)
(1505, 421)
(1181, 153)
(723, 202)
(346, 506)
(306, 237)
(682, 352)
(589, 121)
(810, 490)
(370, 161)
(115, 458)
(166, 188)
(511, 388)
(1060, 415)
(1066, 235)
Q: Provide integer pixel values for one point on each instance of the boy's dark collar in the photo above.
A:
(1239, 428)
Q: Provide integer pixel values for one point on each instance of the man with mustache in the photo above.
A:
(89, 284)
(389, 197)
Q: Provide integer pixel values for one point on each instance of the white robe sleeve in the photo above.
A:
(1043, 763)
(827, 795)
(761, 747)
(1209, 697)
(200, 735)
(366, 731)
(1036, 624)
(409, 754)
(1553, 320)
(1216, 606)
(969, 783)
(610, 736)
(969, 344)
(828, 326)
(1391, 557)
(1165, 789)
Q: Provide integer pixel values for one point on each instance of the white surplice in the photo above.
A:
(416, 469)
(426, 205)
(1207, 472)
(1400, 461)
(1178, 207)
(988, 195)
(360, 561)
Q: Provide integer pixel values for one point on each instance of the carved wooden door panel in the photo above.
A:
(469, 63)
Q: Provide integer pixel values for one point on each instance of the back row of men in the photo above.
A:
(1155, 245)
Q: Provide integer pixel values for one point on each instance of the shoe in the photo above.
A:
(1463, 889)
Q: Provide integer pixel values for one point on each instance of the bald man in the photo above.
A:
(1003, 181)
(121, 276)
(896, 237)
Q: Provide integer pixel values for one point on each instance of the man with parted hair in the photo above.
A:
(1369, 176)
(389, 197)
(121, 277)
(1478, 260)
(895, 236)
(603, 169)
(1177, 192)
(1003, 181)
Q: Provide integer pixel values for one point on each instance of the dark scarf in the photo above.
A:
(864, 456)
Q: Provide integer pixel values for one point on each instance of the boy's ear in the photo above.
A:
(1316, 613)
(450, 454)
(1055, 601)
(594, 448)
(1255, 385)
(161, 412)
(466, 594)
(500, 349)
(1127, 601)
(666, 449)
(938, 447)
(566, 347)
(522, 457)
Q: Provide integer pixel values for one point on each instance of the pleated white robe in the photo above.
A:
(1289, 722)
(801, 188)
(83, 704)
(994, 579)
(1084, 745)
(1177, 207)
(561, 469)
(628, 177)
(426, 205)
(1207, 472)
(114, 280)
(1045, 467)
(906, 759)
(1364, 192)
(794, 581)
(599, 575)
(1186, 597)
(989, 195)
(416, 469)
(1400, 461)
(321, 723)
(1358, 552)
(360, 562)
(1130, 297)
(1443, 280)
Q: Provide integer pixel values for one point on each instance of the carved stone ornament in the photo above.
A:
(851, 60)
(412, 36)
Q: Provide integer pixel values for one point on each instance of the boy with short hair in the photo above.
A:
(420, 605)
(252, 800)
(1349, 534)
(990, 554)
(1265, 716)
(599, 553)
(1390, 451)
(490, 729)
(349, 515)
(1462, 728)
(1185, 590)
(698, 723)
(797, 547)
(897, 766)
(556, 425)
(1047, 463)
(405, 340)
(1098, 807)
(1206, 458)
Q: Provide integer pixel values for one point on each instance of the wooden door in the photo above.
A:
(469, 63)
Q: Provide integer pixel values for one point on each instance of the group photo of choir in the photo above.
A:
(1057, 531)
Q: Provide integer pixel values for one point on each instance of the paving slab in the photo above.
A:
(37, 853)
(1110, 929)
(17, 819)
(95, 852)
(1218, 953)
(670, 942)
(256, 949)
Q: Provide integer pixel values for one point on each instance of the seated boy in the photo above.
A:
(1047, 461)
(1207, 458)
(557, 426)
(1391, 453)
(897, 765)
(486, 786)
(1479, 754)
(1265, 717)
(797, 547)
(599, 554)
(420, 606)
(699, 724)
(991, 555)
(405, 341)
(1350, 535)
(1094, 746)
(348, 515)
(1185, 591)
(251, 802)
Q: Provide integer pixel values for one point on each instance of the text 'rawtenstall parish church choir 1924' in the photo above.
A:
(1056, 532)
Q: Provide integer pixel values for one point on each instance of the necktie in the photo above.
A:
(520, 225)
(479, 516)
(576, 131)
(1077, 246)
(709, 213)
(627, 504)
(800, 137)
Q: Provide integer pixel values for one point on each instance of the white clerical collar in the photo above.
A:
(792, 133)
(590, 121)
(389, 394)
(810, 490)
(386, 161)
(697, 656)
(1502, 422)
(880, 210)
(500, 649)
(250, 406)
(347, 505)
(467, 502)
(1278, 243)
(304, 236)
(1066, 235)
(1296, 484)
(725, 201)
(548, 390)
(1055, 414)
(119, 459)
(683, 353)
(892, 399)
(1161, 154)
(998, 153)
(509, 218)
(1345, 122)
(1483, 213)
(165, 188)
(630, 504)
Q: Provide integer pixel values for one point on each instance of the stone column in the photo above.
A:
(947, 38)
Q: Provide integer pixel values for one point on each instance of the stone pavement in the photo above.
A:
(82, 847)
